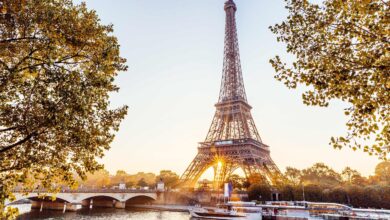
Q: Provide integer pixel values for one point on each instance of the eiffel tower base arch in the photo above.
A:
(225, 157)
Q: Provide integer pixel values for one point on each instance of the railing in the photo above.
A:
(233, 142)
(90, 191)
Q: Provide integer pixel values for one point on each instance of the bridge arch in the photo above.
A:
(99, 196)
(36, 197)
(140, 199)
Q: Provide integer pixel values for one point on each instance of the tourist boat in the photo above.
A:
(207, 213)
(230, 210)
(285, 208)
(320, 210)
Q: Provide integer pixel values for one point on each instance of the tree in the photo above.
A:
(341, 52)
(129, 184)
(382, 171)
(351, 176)
(149, 178)
(120, 177)
(323, 184)
(170, 179)
(260, 191)
(142, 183)
(98, 179)
(57, 67)
(236, 181)
(293, 175)
(320, 174)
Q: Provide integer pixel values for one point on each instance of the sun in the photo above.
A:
(219, 164)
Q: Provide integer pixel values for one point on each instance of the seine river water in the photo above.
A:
(101, 214)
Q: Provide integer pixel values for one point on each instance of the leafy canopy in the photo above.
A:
(320, 183)
(170, 178)
(293, 176)
(342, 51)
(320, 173)
(382, 171)
(57, 67)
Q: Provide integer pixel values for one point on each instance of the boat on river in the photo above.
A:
(229, 211)
(287, 210)
(320, 210)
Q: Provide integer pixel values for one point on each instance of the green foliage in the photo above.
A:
(170, 179)
(97, 180)
(57, 67)
(373, 196)
(319, 173)
(120, 177)
(260, 192)
(293, 176)
(148, 178)
(142, 183)
(237, 182)
(382, 172)
(341, 52)
(322, 184)
(102, 179)
(350, 176)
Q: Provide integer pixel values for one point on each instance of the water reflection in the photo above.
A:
(101, 214)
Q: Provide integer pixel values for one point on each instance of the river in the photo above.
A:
(26, 213)
(102, 214)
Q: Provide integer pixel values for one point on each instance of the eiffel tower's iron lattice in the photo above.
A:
(233, 140)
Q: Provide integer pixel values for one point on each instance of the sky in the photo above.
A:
(174, 50)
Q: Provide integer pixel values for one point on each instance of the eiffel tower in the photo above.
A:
(232, 141)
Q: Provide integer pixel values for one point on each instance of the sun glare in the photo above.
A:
(219, 164)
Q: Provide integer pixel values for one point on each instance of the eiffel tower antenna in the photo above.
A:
(233, 140)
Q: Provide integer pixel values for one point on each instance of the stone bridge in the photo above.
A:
(68, 200)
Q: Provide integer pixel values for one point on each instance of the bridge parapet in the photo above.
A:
(77, 196)
(91, 191)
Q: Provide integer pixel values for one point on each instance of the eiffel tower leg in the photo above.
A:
(251, 173)
(194, 171)
(232, 168)
(273, 171)
(256, 173)
(247, 172)
(221, 174)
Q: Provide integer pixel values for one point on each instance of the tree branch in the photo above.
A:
(19, 39)
(25, 58)
(9, 147)
(16, 167)
(4, 64)
(8, 129)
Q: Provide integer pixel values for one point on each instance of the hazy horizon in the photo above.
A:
(174, 50)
